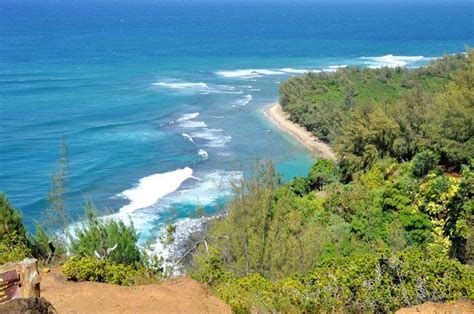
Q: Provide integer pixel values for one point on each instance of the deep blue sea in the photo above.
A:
(161, 102)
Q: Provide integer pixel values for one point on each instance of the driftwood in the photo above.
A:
(106, 253)
(194, 248)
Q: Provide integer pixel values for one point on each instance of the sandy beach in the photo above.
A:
(281, 119)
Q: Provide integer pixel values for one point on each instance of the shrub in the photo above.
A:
(13, 248)
(300, 186)
(323, 172)
(362, 283)
(91, 269)
(98, 235)
(424, 162)
(10, 219)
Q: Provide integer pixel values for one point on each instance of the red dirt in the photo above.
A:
(181, 295)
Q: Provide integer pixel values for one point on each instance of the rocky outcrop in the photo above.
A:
(28, 306)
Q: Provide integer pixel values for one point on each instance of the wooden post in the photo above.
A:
(29, 278)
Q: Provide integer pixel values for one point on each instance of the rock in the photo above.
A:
(28, 306)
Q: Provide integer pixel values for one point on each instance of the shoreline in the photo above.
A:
(274, 112)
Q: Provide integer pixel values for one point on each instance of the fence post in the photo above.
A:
(29, 278)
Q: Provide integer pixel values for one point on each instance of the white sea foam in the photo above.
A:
(244, 101)
(187, 121)
(188, 137)
(214, 137)
(197, 88)
(338, 66)
(248, 73)
(185, 227)
(150, 189)
(203, 154)
(188, 116)
(295, 71)
(182, 85)
(208, 191)
(392, 61)
(193, 124)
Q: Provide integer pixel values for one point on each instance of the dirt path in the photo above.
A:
(181, 295)
(458, 307)
(281, 119)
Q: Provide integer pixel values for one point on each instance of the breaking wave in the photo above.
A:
(152, 188)
(392, 61)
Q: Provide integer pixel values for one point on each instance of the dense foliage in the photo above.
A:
(365, 283)
(10, 219)
(99, 270)
(331, 245)
(390, 225)
(374, 113)
(97, 235)
(14, 244)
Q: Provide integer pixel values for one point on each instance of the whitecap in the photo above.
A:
(188, 137)
(392, 61)
(203, 154)
(214, 137)
(188, 116)
(150, 189)
(186, 121)
(193, 124)
(244, 101)
(295, 71)
(213, 186)
(248, 73)
(182, 85)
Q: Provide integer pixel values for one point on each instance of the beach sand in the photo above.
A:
(281, 119)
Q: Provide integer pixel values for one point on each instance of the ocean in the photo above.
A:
(160, 102)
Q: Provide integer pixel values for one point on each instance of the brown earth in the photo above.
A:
(181, 295)
(458, 307)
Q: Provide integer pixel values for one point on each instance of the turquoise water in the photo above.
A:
(161, 102)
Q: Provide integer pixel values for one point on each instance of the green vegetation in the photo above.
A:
(14, 245)
(99, 270)
(390, 225)
(108, 237)
(365, 283)
(375, 113)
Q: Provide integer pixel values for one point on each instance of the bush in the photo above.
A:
(322, 173)
(300, 186)
(10, 219)
(363, 283)
(424, 162)
(91, 269)
(98, 235)
(13, 248)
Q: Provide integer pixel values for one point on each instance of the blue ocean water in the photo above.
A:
(161, 101)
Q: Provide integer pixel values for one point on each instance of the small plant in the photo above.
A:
(91, 269)
(110, 238)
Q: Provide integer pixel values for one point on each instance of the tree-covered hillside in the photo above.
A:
(390, 225)
(374, 113)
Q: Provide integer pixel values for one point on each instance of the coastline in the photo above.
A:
(274, 112)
